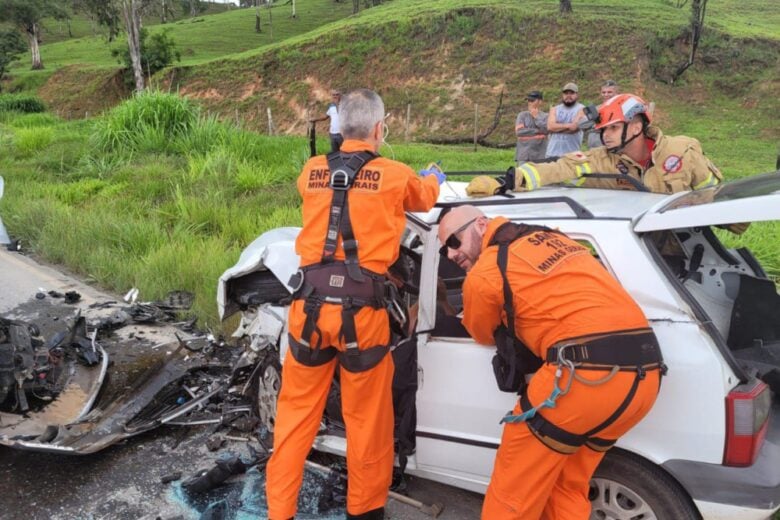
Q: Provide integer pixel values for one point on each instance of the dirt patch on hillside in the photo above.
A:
(75, 92)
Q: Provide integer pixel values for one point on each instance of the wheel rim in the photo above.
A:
(268, 386)
(612, 500)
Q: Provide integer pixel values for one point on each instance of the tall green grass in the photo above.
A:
(174, 213)
(21, 103)
(147, 122)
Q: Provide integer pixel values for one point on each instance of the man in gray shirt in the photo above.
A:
(565, 134)
(609, 89)
(531, 130)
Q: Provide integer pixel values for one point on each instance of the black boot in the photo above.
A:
(374, 514)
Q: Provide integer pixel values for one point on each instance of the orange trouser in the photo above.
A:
(367, 407)
(532, 481)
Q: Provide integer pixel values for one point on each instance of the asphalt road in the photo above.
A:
(123, 481)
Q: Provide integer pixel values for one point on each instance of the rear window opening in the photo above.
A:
(734, 292)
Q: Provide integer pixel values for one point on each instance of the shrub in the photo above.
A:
(21, 103)
(31, 140)
(157, 52)
(149, 120)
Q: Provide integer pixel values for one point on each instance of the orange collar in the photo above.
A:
(356, 145)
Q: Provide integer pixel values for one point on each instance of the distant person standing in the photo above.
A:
(609, 89)
(565, 134)
(335, 125)
(531, 130)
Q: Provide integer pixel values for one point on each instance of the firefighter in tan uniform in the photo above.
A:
(353, 218)
(544, 301)
(632, 147)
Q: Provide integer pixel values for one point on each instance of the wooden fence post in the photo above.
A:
(408, 117)
(270, 122)
(476, 130)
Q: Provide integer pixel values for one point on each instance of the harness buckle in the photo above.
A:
(561, 358)
(296, 281)
(339, 180)
(352, 349)
(396, 311)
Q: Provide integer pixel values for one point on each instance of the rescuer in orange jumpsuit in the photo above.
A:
(560, 295)
(345, 263)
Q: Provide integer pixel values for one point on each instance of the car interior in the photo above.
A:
(733, 290)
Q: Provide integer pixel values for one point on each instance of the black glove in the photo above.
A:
(506, 182)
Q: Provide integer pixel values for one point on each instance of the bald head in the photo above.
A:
(467, 224)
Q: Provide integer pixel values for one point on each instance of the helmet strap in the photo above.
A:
(623, 141)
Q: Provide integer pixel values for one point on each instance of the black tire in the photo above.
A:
(628, 487)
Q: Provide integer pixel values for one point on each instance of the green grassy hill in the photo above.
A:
(443, 60)
(143, 213)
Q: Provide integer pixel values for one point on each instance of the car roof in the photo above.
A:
(548, 203)
(750, 199)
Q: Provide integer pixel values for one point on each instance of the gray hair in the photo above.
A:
(359, 111)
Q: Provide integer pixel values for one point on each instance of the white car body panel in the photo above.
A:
(270, 250)
(715, 511)
(458, 403)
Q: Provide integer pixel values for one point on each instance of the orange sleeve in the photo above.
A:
(421, 192)
(482, 308)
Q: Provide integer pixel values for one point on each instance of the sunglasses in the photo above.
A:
(452, 241)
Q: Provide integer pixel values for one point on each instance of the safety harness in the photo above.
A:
(634, 350)
(513, 359)
(344, 283)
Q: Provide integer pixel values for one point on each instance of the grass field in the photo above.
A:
(200, 38)
(171, 207)
(157, 196)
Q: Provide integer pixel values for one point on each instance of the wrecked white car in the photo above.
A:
(75, 384)
(710, 448)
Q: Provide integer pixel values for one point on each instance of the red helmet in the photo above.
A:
(621, 109)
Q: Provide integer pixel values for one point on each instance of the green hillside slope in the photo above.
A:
(443, 61)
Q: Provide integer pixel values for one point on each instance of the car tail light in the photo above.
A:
(747, 418)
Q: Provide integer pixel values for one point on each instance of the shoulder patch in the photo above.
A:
(577, 156)
(673, 164)
(622, 168)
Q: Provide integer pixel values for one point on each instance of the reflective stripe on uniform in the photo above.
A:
(711, 180)
(531, 176)
(580, 170)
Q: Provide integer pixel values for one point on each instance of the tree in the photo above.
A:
(698, 10)
(131, 14)
(11, 45)
(193, 7)
(157, 52)
(565, 6)
(103, 12)
(26, 16)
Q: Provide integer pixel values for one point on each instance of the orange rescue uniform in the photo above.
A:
(382, 191)
(559, 292)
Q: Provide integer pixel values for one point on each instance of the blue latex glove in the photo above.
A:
(440, 176)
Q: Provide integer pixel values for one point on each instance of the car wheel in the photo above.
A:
(627, 487)
(269, 382)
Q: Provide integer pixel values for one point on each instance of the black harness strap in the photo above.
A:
(308, 356)
(600, 352)
(513, 361)
(351, 360)
(609, 350)
(343, 169)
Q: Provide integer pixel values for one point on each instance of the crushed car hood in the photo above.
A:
(274, 250)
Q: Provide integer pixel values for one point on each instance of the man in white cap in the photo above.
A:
(565, 134)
